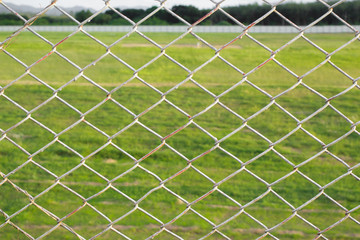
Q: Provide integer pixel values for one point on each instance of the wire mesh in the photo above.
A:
(297, 201)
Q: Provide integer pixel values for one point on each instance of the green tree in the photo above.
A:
(83, 15)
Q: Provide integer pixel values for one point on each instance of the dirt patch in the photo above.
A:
(110, 161)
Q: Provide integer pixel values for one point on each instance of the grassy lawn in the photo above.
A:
(98, 153)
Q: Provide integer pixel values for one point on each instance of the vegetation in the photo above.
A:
(164, 119)
(299, 13)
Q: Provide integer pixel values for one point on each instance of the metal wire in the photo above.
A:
(192, 120)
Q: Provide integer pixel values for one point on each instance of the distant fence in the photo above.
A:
(205, 29)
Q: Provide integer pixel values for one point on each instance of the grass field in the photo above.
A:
(235, 152)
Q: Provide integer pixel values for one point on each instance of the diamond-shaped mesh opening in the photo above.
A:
(184, 185)
(236, 187)
(245, 100)
(301, 102)
(83, 139)
(84, 182)
(138, 146)
(11, 156)
(56, 115)
(245, 144)
(190, 225)
(18, 199)
(28, 92)
(219, 121)
(35, 226)
(137, 225)
(163, 205)
(270, 167)
(164, 119)
(327, 80)
(82, 94)
(32, 179)
(107, 160)
(112, 204)
(190, 98)
(190, 52)
(269, 210)
(59, 201)
(109, 72)
(273, 123)
(272, 78)
(139, 51)
(30, 136)
(136, 183)
(245, 54)
(322, 212)
(164, 163)
(216, 207)
(57, 158)
(136, 97)
(87, 50)
(217, 73)
(324, 169)
(327, 125)
(109, 117)
(298, 147)
(191, 142)
(86, 222)
(54, 61)
(164, 73)
(296, 189)
(217, 165)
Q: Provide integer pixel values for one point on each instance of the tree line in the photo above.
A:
(299, 13)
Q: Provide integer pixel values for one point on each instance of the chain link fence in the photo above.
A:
(190, 158)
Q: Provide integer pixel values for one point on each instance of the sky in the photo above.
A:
(97, 4)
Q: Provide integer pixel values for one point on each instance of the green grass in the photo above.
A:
(191, 142)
